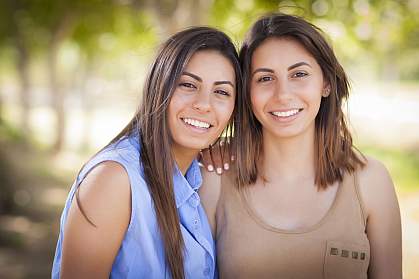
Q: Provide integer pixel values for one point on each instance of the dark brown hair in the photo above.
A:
(335, 153)
(151, 126)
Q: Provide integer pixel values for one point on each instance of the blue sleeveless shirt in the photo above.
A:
(142, 254)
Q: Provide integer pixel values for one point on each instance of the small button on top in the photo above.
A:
(194, 200)
(207, 271)
(195, 223)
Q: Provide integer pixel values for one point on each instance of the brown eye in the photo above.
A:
(222, 92)
(265, 79)
(300, 74)
(187, 85)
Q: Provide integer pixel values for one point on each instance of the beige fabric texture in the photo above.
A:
(336, 247)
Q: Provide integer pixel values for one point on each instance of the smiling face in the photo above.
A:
(202, 102)
(286, 88)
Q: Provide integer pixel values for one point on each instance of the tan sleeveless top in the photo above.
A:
(336, 247)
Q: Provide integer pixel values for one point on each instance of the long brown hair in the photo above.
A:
(150, 125)
(334, 149)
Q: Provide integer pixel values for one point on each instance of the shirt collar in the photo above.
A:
(183, 186)
(186, 186)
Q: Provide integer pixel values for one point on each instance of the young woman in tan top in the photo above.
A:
(300, 202)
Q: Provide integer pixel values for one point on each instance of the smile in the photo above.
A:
(196, 123)
(286, 113)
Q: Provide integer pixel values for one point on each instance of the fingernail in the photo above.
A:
(219, 171)
(226, 166)
(232, 158)
(210, 168)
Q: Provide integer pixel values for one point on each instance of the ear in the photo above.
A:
(326, 91)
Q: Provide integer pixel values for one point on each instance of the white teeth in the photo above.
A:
(196, 123)
(285, 113)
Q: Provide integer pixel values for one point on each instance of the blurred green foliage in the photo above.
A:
(383, 34)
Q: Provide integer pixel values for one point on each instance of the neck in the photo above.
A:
(288, 158)
(184, 158)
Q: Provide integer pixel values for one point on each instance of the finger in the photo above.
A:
(223, 146)
(206, 159)
(231, 151)
(216, 158)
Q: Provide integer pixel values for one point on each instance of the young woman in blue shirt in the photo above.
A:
(133, 210)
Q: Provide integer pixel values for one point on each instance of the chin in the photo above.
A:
(194, 144)
(285, 133)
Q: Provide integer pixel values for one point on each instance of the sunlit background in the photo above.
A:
(71, 74)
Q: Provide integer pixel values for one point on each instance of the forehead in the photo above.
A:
(211, 63)
(287, 51)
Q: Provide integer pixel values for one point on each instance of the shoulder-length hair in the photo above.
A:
(334, 149)
(150, 124)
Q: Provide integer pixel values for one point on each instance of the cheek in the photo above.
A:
(171, 111)
(224, 110)
(178, 102)
(257, 100)
(176, 105)
(315, 98)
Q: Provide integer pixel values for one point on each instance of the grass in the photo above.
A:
(403, 166)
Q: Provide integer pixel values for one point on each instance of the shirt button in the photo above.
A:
(207, 271)
(194, 200)
(195, 223)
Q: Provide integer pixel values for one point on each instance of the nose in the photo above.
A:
(202, 102)
(283, 90)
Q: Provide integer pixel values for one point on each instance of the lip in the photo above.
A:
(200, 130)
(284, 117)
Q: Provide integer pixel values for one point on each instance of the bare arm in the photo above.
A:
(210, 194)
(89, 251)
(383, 221)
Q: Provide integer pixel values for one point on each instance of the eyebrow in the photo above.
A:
(289, 68)
(192, 76)
(224, 82)
(298, 65)
(200, 79)
(262, 70)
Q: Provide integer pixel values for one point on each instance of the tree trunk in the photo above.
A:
(86, 101)
(24, 90)
(57, 97)
(1, 107)
(63, 29)
(171, 16)
(22, 63)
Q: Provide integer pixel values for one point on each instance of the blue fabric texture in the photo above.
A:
(141, 254)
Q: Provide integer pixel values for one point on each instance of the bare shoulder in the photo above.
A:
(376, 185)
(213, 183)
(374, 171)
(104, 197)
(383, 226)
(210, 177)
(210, 193)
(210, 189)
(105, 189)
